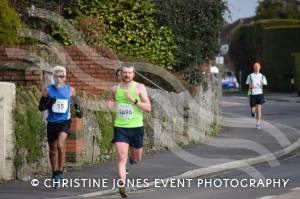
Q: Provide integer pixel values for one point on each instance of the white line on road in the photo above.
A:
(295, 189)
(266, 197)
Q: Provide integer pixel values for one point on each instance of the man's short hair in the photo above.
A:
(256, 62)
(59, 68)
(128, 66)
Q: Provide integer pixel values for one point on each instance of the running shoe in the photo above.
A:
(131, 161)
(54, 179)
(123, 192)
(258, 126)
(60, 177)
(253, 114)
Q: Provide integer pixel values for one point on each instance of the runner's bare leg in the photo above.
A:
(258, 113)
(136, 155)
(122, 155)
(52, 155)
(61, 150)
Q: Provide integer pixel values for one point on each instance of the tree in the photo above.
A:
(9, 22)
(278, 9)
(196, 25)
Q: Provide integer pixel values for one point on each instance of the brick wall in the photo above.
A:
(86, 71)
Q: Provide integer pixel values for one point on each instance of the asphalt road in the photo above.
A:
(211, 152)
(288, 169)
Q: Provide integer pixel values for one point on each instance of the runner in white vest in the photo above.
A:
(256, 81)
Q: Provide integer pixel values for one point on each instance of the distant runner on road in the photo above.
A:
(255, 82)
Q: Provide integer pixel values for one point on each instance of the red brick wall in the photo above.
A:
(84, 73)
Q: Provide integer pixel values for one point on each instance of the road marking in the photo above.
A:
(230, 104)
(266, 197)
(295, 189)
(240, 97)
(293, 157)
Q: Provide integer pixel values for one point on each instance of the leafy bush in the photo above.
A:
(9, 22)
(105, 123)
(60, 34)
(29, 128)
(91, 29)
(131, 29)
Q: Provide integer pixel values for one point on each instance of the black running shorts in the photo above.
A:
(55, 128)
(257, 99)
(132, 136)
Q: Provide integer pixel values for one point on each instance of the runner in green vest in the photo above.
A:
(130, 100)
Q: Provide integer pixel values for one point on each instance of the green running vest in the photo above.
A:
(128, 115)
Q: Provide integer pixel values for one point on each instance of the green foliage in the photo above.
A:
(215, 129)
(131, 29)
(278, 9)
(247, 44)
(196, 25)
(278, 60)
(60, 34)
(91, 29)
(29, 128)
(296, 71)
(29, 134)
(9, 22)
(105, 123)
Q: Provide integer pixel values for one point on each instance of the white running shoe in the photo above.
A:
(258, 126)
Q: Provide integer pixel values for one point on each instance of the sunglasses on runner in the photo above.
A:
(60, 76)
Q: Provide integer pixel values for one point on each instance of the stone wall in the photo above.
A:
(180, 119)
(176, 119)
(7, 104)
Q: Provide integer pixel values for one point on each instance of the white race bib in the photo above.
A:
(60, 106)
(125, 111)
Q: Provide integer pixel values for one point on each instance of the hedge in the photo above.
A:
(296, 71)
(247, 46)
(279, 43)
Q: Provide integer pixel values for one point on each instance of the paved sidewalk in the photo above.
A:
(280, 97)
(284, 97)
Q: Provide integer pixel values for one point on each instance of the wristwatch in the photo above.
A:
(136, 101)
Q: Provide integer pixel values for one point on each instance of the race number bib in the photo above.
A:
(60, 106)
(125, 111)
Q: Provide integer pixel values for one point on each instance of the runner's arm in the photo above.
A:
(76, 103)
(45, 101)
(248, 80)
(264, 81)
(111, 98)
(145, 101)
